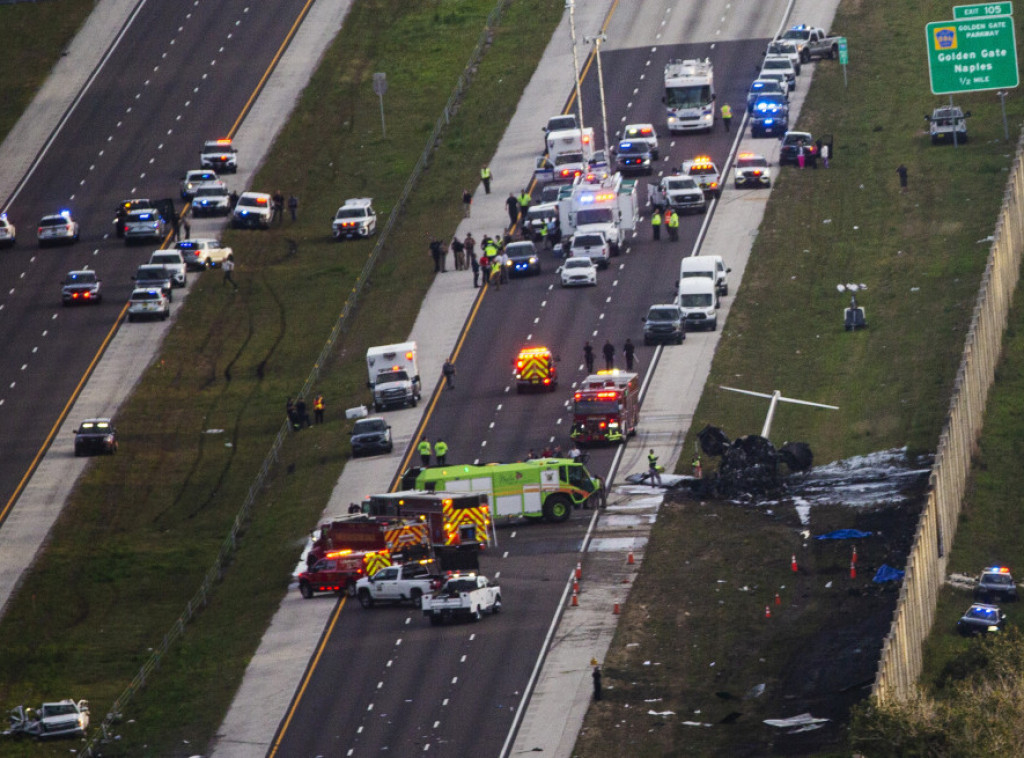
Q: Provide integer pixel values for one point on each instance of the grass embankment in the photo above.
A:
(142, 528)
(921, 254)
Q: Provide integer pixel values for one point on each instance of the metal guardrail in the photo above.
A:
(230, 545)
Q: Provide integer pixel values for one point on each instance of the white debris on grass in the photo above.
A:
(695, 723)
(804, 719)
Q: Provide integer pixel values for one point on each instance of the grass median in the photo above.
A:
(142, 528)
(694, 640)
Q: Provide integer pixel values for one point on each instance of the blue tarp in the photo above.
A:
(887, 573)
(843, 534)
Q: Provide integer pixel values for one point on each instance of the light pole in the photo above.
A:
(571, 5)
(596, 40)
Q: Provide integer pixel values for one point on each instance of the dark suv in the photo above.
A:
(96, 436)
(634, 157)
(371, 435)
(792, 143)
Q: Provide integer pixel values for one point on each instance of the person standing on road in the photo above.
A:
(609, 355)
(902, 171)
(588, 357)
(656, 224)
(449, 375)
(495, 272)
(503, 263)
(475, 265)
(485, 177)
(188, 228)
(524, 203)
(512, 206)
(672, 219)
(318, 408)
(652, 467)
(229, 270)
(293, 206)
(441, 451)
(629, 351)
(424, 450)
(467, 201)
(726, 116)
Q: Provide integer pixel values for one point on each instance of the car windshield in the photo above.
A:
(567, 158)
(587, 240)
(53, 221)
(58, 709)
(778, 64)
(680, 184)
(688, 97)
(754, 162)
(94, 427)
(370, 426)
(81, 277)
(595, 407)
(351, 213)
(632, 148)
(541, 214)
(704, 272)
(703, 170)
(151, 274)
(797, 139)
(212, 192)
(797, 34)
(145, 295)
(392, 376)
(165, 258)
(983, 614)
(561, 122)
(579, 263)
(461, 585)
(520, 250)
(695, 301)
(770, 102)
(998, 579)
(662, 314)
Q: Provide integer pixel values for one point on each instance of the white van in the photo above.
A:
(698, 299)
(710, 266)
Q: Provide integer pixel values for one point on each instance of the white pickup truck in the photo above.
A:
(398, 584)
(812, 42)
(463, 596)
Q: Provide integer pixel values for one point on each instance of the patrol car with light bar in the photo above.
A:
(219, 155)
(704, 171)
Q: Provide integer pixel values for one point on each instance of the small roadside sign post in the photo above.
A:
(844, 57)
(380, 86)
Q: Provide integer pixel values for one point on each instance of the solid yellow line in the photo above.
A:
(305, 680)
(270, 69)
(63, 415)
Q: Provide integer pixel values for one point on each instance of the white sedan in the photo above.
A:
(578, 272)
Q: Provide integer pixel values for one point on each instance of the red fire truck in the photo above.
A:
(606, 408)
(535, 369)
(452, 518)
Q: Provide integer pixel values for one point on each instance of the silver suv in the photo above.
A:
(948, 124)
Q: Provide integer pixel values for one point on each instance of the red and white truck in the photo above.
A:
(606, 408)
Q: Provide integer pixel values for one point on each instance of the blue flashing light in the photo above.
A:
(586, 198)
(625, 145)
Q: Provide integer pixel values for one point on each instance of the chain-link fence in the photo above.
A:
(230, 544)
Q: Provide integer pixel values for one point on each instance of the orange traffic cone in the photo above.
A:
(575, 600)
(853, 570)
(767, 612)
(778, 600)
(575, 586)
(579, 571)
(629, 560)
(792, 563)
(615, 610)
(854, 554)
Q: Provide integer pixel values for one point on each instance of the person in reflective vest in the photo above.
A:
(424, 451)
(496, 272)
(656, 224)
(652, 465)
(726, 116)
(485, 177)
(441, 450)
(318, 409)
(672, 220)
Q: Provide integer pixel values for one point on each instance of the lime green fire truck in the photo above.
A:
(547, 488)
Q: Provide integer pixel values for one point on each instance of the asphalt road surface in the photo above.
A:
(390, 682)
(181, 74)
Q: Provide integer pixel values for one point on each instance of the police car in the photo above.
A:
(253, 210)
(80, 287)
(523, 259)
(704, 171)
(765, 87)
(144, 224)
(219, 155)
(202, 253)
(8, 234)
(642, 133)
(211, 199)
(996, 583)
(96, 435)
(57, 228)
(981, 619)
(780, 64)
(355, 219)
(769, 116)
(752, 170)
(194, 179)
(148, 302)
(634, 157)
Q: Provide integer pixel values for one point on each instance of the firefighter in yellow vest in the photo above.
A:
(424, 451)
(656, 224)
(441, 450)
(485, 177)
(726, 116)
(673, 224)
(318, 409)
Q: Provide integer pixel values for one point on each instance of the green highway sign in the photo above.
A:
(972, 55)
(844, 53)
(982, 10)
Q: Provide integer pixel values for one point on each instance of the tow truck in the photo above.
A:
(535, 369)
(606, 408)
(705, 173)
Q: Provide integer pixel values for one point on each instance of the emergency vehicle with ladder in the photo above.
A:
(606, 408)
(535, 369)
(547, 488)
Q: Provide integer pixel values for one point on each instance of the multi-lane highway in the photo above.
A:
(179, 74)
(386, 681)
